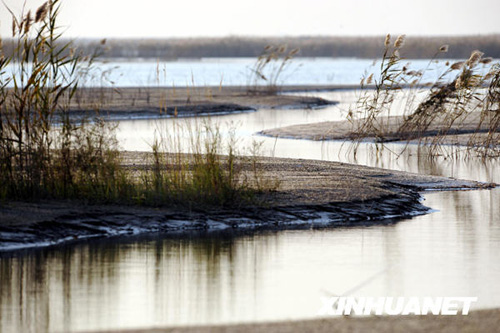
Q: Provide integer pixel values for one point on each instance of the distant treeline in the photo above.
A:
(360, 47)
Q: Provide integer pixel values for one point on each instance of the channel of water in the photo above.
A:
(213, 278)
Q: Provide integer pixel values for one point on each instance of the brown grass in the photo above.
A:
(469, 103)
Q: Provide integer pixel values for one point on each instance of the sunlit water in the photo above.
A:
(238, 72)
(162, 280)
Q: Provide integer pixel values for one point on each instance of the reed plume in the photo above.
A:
(474, 58)
(27, 23)
(486, 61)
(14, 26)
(369, 79)
(457, 65)
(387, 41)
(41, 12)
(399, 41)
(444, 48)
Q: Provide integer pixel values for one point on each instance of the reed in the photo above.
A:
(45, 153)
(203, 169)
(467, 104)
(37, 158)
(464, 100)
(378, 96)
(268, 69)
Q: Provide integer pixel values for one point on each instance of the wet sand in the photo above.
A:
(124, 103)
(458, 134)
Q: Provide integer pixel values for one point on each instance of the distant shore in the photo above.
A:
(368, 47)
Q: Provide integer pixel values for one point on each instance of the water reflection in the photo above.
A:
(122, 284)
(151, 281)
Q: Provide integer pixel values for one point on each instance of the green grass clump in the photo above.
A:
(209, 173)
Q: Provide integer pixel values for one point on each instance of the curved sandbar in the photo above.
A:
(458, 134)
(139, 102)
(310, 194)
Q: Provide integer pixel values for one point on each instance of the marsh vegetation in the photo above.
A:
(47, 153)
(464, 100)
(266, 75)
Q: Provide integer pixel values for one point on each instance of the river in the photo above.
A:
(220, 277)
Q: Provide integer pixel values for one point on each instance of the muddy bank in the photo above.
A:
(127, 103)
(310, 194)
(71, 224)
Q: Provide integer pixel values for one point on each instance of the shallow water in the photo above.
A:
(219, 278)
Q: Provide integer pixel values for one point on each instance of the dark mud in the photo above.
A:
(111, 221)
(131, 103)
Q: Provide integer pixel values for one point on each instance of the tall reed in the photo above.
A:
(371, 113)
(38, 159)
(462, 100)
(45, 152)
(268, 69)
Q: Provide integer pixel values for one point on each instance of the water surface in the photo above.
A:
(237, 72)
(160, 280)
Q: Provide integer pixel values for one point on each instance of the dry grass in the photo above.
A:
(469, 103)
(269, 68)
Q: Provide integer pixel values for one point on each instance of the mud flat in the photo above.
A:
(313, 194)
(129, 103)
(459, 134)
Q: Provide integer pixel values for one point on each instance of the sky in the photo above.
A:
(218, 18)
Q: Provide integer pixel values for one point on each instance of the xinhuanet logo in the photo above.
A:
(392, 306)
